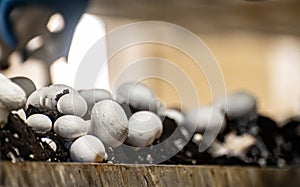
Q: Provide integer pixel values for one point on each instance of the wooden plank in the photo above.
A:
(75, 174)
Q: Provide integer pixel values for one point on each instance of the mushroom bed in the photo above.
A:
(60, 124)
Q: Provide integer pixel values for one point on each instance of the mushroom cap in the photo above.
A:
(93, 96)
(72, 104)
(39, 122)
(87, 148)
(144, 128)
(238, 104)
(137, 95)
(176, 115)
(70, 127)
(12, 96)
(34, 98)
(50, 142)
(109, 123)
(51, 95)
(205, 118)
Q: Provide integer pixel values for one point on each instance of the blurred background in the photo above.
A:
(256, 43)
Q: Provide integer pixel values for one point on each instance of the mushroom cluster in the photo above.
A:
(132, 126)
(86, 122)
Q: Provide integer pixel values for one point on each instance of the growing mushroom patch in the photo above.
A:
(60, 124)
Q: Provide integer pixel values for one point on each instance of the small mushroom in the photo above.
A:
(205, 118)
(34, 98)
(72, 104)
(136, 95)
(93, 96)
(40, 123)
(87, 148)
(53, 93)
(238, 104)
(50, 142)
(109, 123)
(12, 97)
(144, 128)
(70, 127)
(176, 115)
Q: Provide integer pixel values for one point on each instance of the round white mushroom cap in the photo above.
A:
(144, 128)
(87, 148)
(72, 104)
(205, 118)
(93, 96)
(40, 123)
(51, 95)
(34, 98)
(109, 123)
(137, 95)
(12, 97)
(70, 127)
(238, 104)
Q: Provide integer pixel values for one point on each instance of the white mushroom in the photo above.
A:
(12, 97)
(137, 95)
(50, 142)
(70, 127)
(34, 98)
(21, 113)
(51, 95)
(87, 148)
(238, 104)
(40, 123)
(176, 115)
(72, 104)
(109, 123)
(205, 118)
(144, 128)
(93, 96)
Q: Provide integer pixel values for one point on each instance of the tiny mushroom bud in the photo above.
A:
(70, 127)
(109, 123)
(50, 142)
(12, 97)
(238, 104)
(34, 98)
(52, 94)
(144, 128)
(205, 118)
(40, 123)
(87, 148)
(137, 95)
(72, 104)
